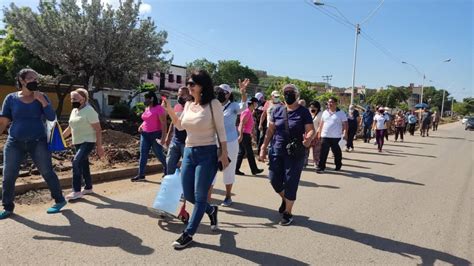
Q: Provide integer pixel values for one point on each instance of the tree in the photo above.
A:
(323, 98)
(145, 87)
(92, 42)
(391, 97)
(201, 64)
(231, 71)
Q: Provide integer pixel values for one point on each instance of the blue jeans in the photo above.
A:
(147, 141)
(175, 152)
(80, 166)
(197, 172)
(14, 153)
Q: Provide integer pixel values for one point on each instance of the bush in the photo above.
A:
(121, 111)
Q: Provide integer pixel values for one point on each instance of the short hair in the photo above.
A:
(203, 79)
(83, 92)
(152, 95)
(22, 74)
(334, 99)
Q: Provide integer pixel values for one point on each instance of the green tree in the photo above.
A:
(202, 64)
(230, 71)
(323, 98)
(145, 87)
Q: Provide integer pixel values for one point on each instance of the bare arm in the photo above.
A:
(309, 134)
(98, 135)
(345, 127)
(320, 129)
(164, 127)
(174, 118)
(67, 133)
(268, 137)
(4, 122)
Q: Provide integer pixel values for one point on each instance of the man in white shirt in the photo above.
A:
(333, 125)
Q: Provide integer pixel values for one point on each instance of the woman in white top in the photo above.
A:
(380, 125)
(202, 119)
(316, 113)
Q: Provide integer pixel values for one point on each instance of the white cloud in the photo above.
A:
(145, 8)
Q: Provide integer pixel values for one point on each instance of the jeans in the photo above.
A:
(261, 139)
(175, 152)
(398, 131)
(379, 135)
(198, 169)
(435, 126)
(411, 129)
(367, 132)
(13, 155)
(246, 149)
(350, 137)
(285, 173)
(333, 144)
(80, 166)
(147, 141)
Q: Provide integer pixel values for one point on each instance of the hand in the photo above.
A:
(318, 136)
(243, 85)
(345, 137)
(224, 159)
(307, 142)
(165, 103)
(100, 152)
(39, 96)
(167, 142)
(240, 138)
(162, 141)
(263, 154)
(260, 128)
(140, 129)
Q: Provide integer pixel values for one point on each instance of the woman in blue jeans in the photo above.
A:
(202, 119)
(25, 111)
(154, 124)
(86, 132)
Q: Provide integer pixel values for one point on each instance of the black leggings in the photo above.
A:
(399, 130)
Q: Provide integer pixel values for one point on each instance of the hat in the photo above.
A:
(275, 94)
(259, 96)
(252, 100)
(291, 87)
(226, 88)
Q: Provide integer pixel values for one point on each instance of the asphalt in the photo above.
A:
(411, 204)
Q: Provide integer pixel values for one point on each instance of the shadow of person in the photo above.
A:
(411, 154)
(79, 231)
(374, 177)
(311, 184)
(228, 245)
(119, 205)
(366, 161)
(427, 256)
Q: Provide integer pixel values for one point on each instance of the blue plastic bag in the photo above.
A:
(169, 195)
(56, 141)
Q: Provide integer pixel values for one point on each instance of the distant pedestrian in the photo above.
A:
(290, 131)
(352, 122)
(406, 115)
(203, 120)
(380, 126)
(268, 109)
(399, 125)
(333, 126)
(425, 123)
(231, 110)
(245, 139)
(435, 120)
(84, 126)
(24, 111)
(412, 119)
(388, 125)
(151, 131)
(316, 115)
(260, 132)
(366, 122)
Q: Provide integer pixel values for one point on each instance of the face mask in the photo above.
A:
(181, 100)
(76, 104)
(313, 111)
(147, 102)
(221, 96)
(290, 98)
(32, 86)
(276, 100)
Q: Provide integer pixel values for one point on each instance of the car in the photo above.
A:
(470, 123)
(464, 120)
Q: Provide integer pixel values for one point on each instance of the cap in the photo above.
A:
(226, 88)
(259, 96)
(275, 94)
(252, 100)
(291, 87)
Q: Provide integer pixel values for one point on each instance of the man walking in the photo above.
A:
(366, 122)
(333, 125)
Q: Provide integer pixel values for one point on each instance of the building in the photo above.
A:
(167, 83)
(414, 96)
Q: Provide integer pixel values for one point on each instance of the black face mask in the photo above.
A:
(147, 102)
(221, 96)
(181, 100)
(76, 104)
(290, 98)
(32, 86)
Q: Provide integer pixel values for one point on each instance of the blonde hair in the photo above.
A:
(83, 93)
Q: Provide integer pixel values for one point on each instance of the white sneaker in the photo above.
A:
(87, 191)
(74, 195)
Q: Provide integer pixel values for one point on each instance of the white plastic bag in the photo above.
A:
(169, 195)
(342, 143)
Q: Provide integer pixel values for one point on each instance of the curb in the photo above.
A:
(97, 177)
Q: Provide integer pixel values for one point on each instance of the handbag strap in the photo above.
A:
(214, 123)
(287, 126)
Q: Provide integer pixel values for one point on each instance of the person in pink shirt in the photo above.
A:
(245, 138)
(154, 124)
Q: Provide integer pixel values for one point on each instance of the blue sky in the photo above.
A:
(293, 38)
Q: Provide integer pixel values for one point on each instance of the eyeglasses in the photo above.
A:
(190, 84)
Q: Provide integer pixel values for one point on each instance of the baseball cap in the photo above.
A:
(259, 96)
(275, 94)
(226, 88)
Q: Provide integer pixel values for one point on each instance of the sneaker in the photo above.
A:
(183, 241)
(138, 179)
(282, 206)
(5, 214)
(338, 168)
(237, 172)
(347, 150)
(259, 171)
(227, 202)
(213, 218)
(319, 170)
(87, 191)
(56, 207)
(74, 195)
(287, 219)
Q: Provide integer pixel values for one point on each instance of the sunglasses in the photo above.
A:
(190, 84)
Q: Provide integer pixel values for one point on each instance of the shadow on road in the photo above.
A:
(372, 176)
(439, 137)
(366, 161)
(423, 143)
(403, 146)
(79, 231)
(411, 154)
(119, 205)
(379, 154)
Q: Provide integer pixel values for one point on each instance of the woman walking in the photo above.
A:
(316, 114)
(399, 125)
(352, 128)
(84, 126)
(25, 111)
(380, 125)
(290, 131)
(151, 130)
(231, 111)
(412, 123)
(203, 120)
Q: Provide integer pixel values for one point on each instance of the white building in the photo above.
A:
(169, 82)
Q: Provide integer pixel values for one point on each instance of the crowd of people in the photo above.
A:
(209, 132)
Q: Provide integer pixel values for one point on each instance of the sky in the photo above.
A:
(295, 38)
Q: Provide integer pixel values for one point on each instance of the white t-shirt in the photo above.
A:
(380, 121)
(332, 127)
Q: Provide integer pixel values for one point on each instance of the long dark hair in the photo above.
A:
(152, 95)
(317, 105)
(203, 79)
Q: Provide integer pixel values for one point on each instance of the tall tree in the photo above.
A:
(202, 64)
(90, 41)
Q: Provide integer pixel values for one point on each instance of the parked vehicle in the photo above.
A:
(464, 119)
(470, 123)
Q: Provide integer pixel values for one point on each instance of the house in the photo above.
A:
(168, 83)
(414, 96)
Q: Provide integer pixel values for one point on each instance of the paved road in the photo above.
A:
(411, 204)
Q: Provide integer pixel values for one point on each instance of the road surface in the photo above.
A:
(410, 204)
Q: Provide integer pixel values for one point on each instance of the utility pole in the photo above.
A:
(327, 79)
(357, 32)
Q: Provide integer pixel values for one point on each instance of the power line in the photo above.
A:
(373, 12)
